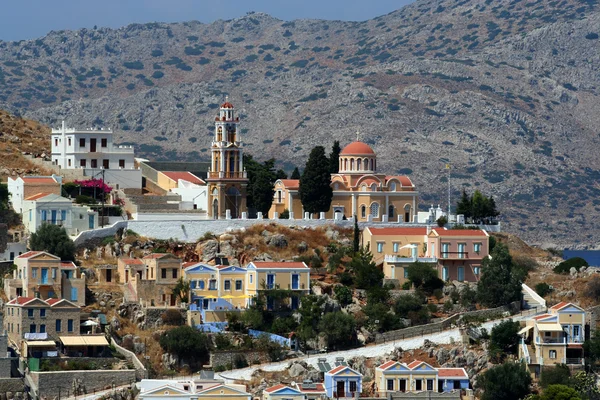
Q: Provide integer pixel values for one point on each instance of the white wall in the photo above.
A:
(197, 195)
(118, 178)
(15, 248)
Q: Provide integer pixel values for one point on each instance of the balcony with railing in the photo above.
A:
(574, 361)
(403, 260)
(454, 255)
(227, 175)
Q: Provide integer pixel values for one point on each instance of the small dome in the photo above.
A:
(358, 148)
(227, 105)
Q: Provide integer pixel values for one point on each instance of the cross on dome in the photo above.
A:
(357, 134)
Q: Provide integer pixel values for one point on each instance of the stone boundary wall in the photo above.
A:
(14, 385)
(223, 358)
(592, 317)
(140, 371)
(428, 395)
(436, 327)
(50, 383)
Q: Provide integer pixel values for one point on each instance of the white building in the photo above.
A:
(193, 190)
(93, 151)
(45, 208)
(25, 186)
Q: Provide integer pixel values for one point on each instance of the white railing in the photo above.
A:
(525, 352)
(533, 294)
(399, 259)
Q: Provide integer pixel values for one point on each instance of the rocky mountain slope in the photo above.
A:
(504, 90)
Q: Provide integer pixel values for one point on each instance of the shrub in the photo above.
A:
(172, 317)
(565, 266)
(592, 289)
(285, 214)
(438, 293)
(441, 221)
(83, 199)
(504, 339)
(185, 342)
(448, 306)
(559, 374)
(542, 289)
(343, 294)
(222, 342)
(239, 361)
(133, 65)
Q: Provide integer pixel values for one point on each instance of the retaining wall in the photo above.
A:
(140, 371)
(50, 384)
(13, 385)
(227, 358)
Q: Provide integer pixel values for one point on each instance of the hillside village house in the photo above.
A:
(44, 275)
(554, 338)
(459, 252)
(418, 376)
(94, 152)
(283, 392)
(358, 189)
(29, 319)
(192, 189)
(311, 390)
(183, 391)
(293, 276)
(343, 382)
(47, 208)
(23, 187)
(151, 279)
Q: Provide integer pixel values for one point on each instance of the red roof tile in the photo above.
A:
(227, 105)
(29, 254)
(404, 180)
(414, 364)
(185, 176)
(189, 263)
(271, 265)
(291, 183)
(53, 301)
(387, 364)
(560, 305)
(459, 232)
(357, 148)
(542, 316)
(338, 369)
(67, 264)
(154, 256)
(406, 231)
(319, 387)
(21, 300)
(275, 388)
(452, 372)
(38, 196)
(48, 180)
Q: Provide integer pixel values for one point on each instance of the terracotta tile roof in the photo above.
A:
(404, 180)
(227, 105)
(387, 364)
(21, 300)
(29, 254)
(272, 265)
(183, 175)
(408, 231)
(337, 369)
(67, 264)
(368, 182)
(459, 232)
(560, 305)
(190, 263)
(542, 316)
(132, 261)
(358, 148)
(319, 387)
(415, 364)
(154, 256)
(53, 301)
(275, 388)
(452, 372)
(38, 196)
(40, 180)
(291, 183)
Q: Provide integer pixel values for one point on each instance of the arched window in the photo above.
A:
(373, 187)
(391, 211)
(363, 211)
(393, 187)
(279, 196)
(358, 164)
(374, 210)
(363, 188)
(352, 164)
(372, 164)
(366, 164)
(336, 186)
(407, 213)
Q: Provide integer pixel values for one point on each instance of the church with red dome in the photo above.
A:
(358, 189)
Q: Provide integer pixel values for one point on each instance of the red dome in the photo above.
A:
(227, 105)
(357, 148)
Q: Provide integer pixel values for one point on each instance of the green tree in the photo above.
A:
(505, 381)
(424, 277)
(4, 195)
(585, 384)
(311, 312)
(334, 157)
(498, 285)
(339, 328)
(504, 339)
(185, 342)
(380, 317)
(356, 236)
(560, 392)
(478, 206)
(591, 349)
(574, 262)
(366, 273)
(295, 174)
(559, 374)
(53, 239)
(542, 289)
(182, 290)
(407, 304)
(280, 174)
(315, 183)
(261, 180)
(343, 294)
(464, 205)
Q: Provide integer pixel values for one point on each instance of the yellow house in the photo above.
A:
(191, 390)
(554, 338)
(418, 376)
(168, 180)
(286, 197)
(293, 276)
(283, 392)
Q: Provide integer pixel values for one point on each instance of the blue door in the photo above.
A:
(73, 294)
(91, 221)
(44, 275)
(461, 274)
(53, 220)
(270, 281)
(295, 282)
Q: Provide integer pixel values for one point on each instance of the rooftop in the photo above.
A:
(400, 231)
(271, 265)
(357, 148)
(184, 176)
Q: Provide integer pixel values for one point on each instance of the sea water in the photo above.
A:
(591, 256)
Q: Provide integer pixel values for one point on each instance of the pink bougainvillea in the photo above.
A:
(95, 183)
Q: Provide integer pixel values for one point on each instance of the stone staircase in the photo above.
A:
(129, 294)
(531, 299)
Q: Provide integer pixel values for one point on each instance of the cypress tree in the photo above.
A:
(315, 182)
(356, 244)
(334, 157)
(295, 174)
(280, 174)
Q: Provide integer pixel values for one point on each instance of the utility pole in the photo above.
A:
(104, 194)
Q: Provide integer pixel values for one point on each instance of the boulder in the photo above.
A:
(296, 370)
(573, 272)
(207, 250)
(279, 241)
(302, 247)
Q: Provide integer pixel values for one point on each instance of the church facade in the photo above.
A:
(358, 189)
(227, 180)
